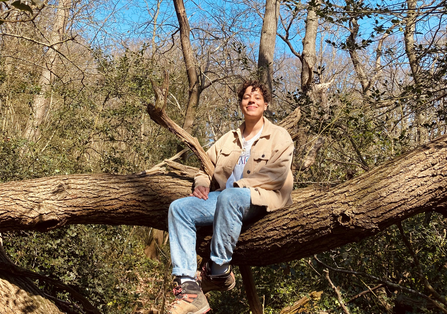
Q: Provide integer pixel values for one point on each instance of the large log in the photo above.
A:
(319, 220)
(322, 219)
(48, 203)
(18, 294)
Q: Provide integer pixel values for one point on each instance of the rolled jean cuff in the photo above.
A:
(220, 261)
(183, 272)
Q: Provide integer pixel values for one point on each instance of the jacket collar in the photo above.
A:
(266, 131)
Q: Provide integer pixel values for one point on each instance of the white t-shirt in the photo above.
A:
(245, 154)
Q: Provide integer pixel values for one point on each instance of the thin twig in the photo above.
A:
(420, 272)
(158, 166)
(385, 282)
(370, 290)
(337, 291)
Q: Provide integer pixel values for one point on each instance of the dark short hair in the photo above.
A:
(255, 85)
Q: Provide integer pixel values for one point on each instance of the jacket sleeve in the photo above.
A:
(201, 178)
(272, 175)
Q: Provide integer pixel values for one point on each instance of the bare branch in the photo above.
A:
(158, 114)
(385, 282)
(337, 292)
(420, 272)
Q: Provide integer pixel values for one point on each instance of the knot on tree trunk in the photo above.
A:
(346, 218)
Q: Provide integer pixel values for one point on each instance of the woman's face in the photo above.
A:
(253, 104)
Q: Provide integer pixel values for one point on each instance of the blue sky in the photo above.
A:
(122, 22)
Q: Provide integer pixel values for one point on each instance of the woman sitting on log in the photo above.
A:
(252, 175)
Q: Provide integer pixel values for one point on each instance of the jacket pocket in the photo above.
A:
(260, 159)
(225, 158)
(260, 156)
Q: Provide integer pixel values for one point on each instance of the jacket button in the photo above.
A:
(248, 171)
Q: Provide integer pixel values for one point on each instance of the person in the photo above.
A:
(252, 175)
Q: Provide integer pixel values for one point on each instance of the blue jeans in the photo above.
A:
(226, 210)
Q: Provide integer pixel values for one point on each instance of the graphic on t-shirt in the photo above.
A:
(243, 158)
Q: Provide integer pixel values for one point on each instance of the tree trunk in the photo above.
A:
(309, 56)
(41, 100)
(410, 29)
(319, 220)
(250, 287)
(19, 294)
(191, 66)
(351, 42)
(267, 44)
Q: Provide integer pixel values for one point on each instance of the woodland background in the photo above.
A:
(369, 81)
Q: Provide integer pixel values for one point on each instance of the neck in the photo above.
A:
(251, 128)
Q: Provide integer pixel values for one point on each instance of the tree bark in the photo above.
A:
(319, 220)
(352, 48)
(191, 66)
(41, 101)
(410, 29)
(309, 56)
(19, 294)
(267, 43)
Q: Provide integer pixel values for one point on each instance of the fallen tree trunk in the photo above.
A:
(319, 220)
(323, 219)
(48, 203)
(18, 294)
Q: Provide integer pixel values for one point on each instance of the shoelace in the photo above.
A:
(177, 290)
(179, 296)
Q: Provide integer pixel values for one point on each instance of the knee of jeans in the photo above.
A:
(234, 193)
(233, 197)
(225, 197)
(174, 210)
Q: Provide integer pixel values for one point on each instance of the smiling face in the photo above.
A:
(253, 104)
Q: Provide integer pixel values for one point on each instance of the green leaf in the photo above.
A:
(21, 6)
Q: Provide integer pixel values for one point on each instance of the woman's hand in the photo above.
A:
(201, 192)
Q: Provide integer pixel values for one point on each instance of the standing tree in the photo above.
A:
(267, 42)
(52, 50)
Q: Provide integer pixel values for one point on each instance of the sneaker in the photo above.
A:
(210, 282)
(189, 299)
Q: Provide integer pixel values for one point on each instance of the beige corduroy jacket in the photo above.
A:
(267, 172)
